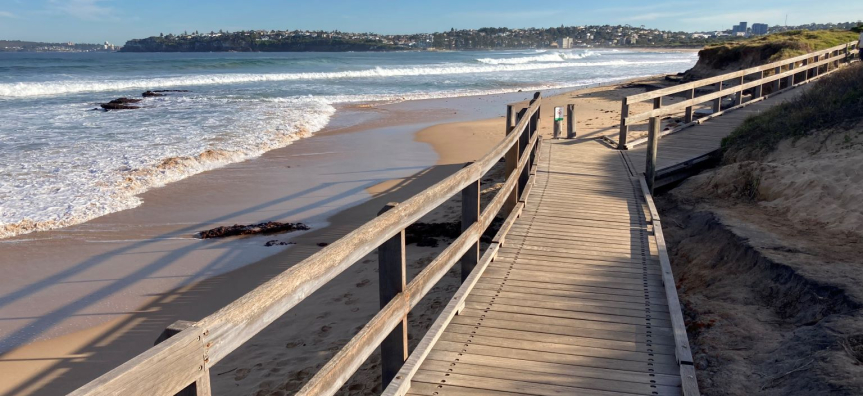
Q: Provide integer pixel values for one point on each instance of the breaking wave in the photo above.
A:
(30, 89)
(545, 57)
(96, 182)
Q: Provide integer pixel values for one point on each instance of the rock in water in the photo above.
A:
(120, 104)
(269, 227)
(125, 100)
(160, 92)
(117, 106)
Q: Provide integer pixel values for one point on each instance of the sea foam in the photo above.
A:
(32, 89)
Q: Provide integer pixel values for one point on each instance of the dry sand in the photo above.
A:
(767, 255)
(286, 354)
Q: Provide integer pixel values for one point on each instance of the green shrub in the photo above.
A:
(777, 46)
(835, 100)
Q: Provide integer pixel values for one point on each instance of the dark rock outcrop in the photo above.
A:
(269, 227)
(120, 104)
(160, 92)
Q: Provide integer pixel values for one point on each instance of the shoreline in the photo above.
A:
(136, 329)
(106, 320)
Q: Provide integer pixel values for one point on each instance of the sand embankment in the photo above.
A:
(767, 253)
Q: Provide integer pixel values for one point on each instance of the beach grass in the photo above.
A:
(776, 47)
(835, 101)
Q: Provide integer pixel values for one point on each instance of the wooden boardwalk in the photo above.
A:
(573, 296)
(574, 302)
(692, 144)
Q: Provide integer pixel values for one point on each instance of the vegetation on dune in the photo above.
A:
(835, 101)
(775, 47)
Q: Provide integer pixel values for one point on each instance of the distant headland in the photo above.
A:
(562, 37)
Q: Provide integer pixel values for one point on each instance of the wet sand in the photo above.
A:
(99, 293)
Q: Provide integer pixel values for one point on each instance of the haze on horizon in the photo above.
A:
(94, 21)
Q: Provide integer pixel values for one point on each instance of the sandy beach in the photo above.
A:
(132, 273)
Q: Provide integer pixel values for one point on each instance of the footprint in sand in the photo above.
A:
(241, 374)
(363, 282)
(294, 344)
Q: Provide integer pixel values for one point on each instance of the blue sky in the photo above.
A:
(119, 20)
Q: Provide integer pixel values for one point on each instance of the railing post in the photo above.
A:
(805, 71)
(536, 97)
(511, 159)
(522, 144)
(717, 103)
(688, 117)
(470, 215)
(817, 69)
(791, 77)
(757, 92)
(624, 129)
(510, 119)
(392, 278)
(570, 121)
(739, 96)
(777, 84)
(652, 146)
(201, 386)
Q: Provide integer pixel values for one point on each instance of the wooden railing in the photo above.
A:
(184, 354)
(783, 75)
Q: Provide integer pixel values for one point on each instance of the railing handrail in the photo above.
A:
(676, 107)
(186, 357)
(831, 55)
(728, 76)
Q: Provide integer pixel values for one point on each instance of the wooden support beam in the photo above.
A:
(717, 103)
(777, 83)
(201, 386)
(688, 117)
(537, 97)
(758, 91)
(511, 160)
(510, 119)
(570, 121)
(392, 279)
(790, 80)
(470, 212)
(624, 129)
(652, 146)
(522, 144)
(739, 96)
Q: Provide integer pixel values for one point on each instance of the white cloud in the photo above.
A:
(7, 14)
(90, 10)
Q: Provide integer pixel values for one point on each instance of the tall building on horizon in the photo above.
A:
(759, 28)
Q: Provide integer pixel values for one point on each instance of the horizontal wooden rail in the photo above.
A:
(333, 375)
(186, 357)
(728, 76)
(809, 69)
(680, 106)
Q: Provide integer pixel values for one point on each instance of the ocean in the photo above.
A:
(64, 161)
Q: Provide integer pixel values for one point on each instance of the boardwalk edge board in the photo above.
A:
(689, 383)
